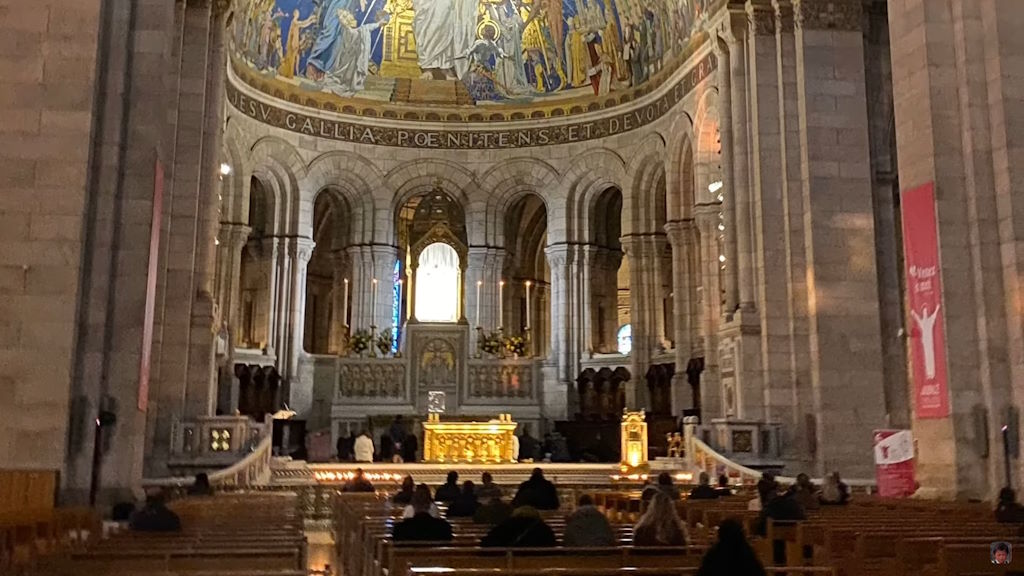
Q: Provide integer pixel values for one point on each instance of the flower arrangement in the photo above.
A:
(515, 345)
(490, 342)
(384, 342)
(360, 341)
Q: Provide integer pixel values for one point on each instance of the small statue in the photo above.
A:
(675, 444)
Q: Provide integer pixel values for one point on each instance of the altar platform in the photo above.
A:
(598, 475)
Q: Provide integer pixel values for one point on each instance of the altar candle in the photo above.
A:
(501, 304)
(344, 307)
(479, 283)
(528, 283)
(373, 304)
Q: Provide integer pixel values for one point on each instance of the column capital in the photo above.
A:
(679, 233)
(784, 17)
(235, 235)
(733, 28)
(842, 15)
(301, 249)
(761, 17)
(558, 255)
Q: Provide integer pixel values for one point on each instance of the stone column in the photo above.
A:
(680, 236)
(708, 219)
(557, 382)
(956, 87)
(383, 270)
(640, 319)
(723, 51)
(281, 295)
(232, 242)
(361, 276)
(843, 311)
(797, 436)
(341, 284)
(769, 217)
(299, 393)
(740, 157)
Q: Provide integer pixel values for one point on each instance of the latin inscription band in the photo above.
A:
(345, 131)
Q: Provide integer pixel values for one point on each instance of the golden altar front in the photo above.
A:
(469, 442)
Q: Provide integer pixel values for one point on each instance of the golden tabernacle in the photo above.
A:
(468, 442)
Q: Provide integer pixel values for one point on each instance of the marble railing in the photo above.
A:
(372, 379)
(599, 361)
(240, 447)
(504, 379)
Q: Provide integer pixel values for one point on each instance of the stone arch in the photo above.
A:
(647, 170)
(414, 178)
(679, 180)
(706, 145)
(353, 179)
(502, 186)
(593, 172)
(277, 163)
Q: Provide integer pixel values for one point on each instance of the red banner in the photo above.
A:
(924, 297)
(154, 260)
(894, 463)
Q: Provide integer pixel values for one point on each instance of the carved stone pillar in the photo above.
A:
(564, 365)
(383, 269)
(640, 319)
(680, 236)
(708, 217)
(299, 394)
(232, 241)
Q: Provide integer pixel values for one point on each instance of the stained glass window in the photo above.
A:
(625, 338)
(396, 306)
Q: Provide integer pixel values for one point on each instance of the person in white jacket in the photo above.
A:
(364, 448)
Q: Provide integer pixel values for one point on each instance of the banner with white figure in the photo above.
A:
(894, 463)
(924, 297)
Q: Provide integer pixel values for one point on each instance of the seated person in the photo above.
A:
(778, 506)
(835, 491)
(660, 525)
(703, 489)
(537, 492)
(723, 486)
(493, 511)
(422, 492)
(358, 483)
(524, 529)
(465, 504)
(805, 492)
(588, 527)
(449, 491)
(155, 516)
(404, 496)
(201, 486)
(731, 555)
(422, 526)
(664, 485)
(1008, 511)
(488, 489)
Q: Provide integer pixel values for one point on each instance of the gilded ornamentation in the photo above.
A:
(468, 442)
(843, 15)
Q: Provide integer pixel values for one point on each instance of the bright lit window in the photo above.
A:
(625, 339)
(437, 284)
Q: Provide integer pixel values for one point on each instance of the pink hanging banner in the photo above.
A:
(154, 260)
(924, 297)
(894, 463)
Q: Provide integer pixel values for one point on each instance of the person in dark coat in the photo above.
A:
(1008, 511)
(155, 516)
(345, 446)
(448, 491)
(404, 496)
(703, 489)
(731, 555)
(422, 527)
(664, 485)
(410, 444)
(525, 529)
(358, 483)
(723, 485)
(488, 489)
(387, 449)
(588, 527)
(537, 492)
(465, 504)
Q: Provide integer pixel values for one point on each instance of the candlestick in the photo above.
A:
(479, 283)
(528, 283)
(501, 305)
(344, 307)
(373, 304)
